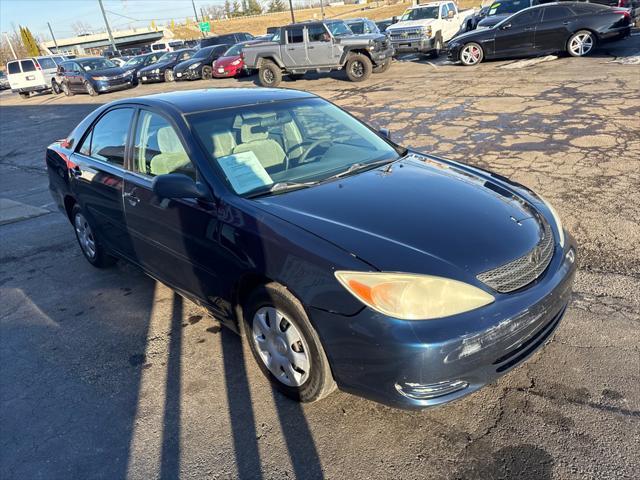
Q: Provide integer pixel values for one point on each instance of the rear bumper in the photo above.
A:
(395, 362)
(616, 33)
(35, 88)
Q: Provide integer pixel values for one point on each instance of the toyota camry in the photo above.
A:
(345, 259)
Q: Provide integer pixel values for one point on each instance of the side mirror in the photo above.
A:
(506, 27)
(450, 14)
(385, 132)
(178, 185)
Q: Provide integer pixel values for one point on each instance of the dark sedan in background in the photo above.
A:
(93, 76)
(498, 11)
(200, 65)
(569, 27)
(162, 70)
(346, 259)
(139, 62)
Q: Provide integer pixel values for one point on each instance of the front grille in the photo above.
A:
(524, 270)
(406, 34)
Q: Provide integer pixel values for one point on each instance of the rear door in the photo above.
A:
(320, 49)
(516, 36)
(174, 239)
(294, 51)
(98, 175)
(552, 32)
(75, 77)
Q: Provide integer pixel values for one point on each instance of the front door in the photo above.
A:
(320, 48)
(552, 32)
(97, 175)
(175, 240)
(294, 51)
(516, 36)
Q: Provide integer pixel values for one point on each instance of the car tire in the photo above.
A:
(207, 73)
(55, 88)
(24, 95)
(358, 67)
(581, 43)
(89, 243)
(471, 54)
(66, 90)
(287, 344)
(270, 74)
(383, 67)
(90, 90)
(435, 53)
(168, 75)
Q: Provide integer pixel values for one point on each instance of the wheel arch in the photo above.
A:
(69, 203)
(270, 57)
(586, 29)
(355, 50)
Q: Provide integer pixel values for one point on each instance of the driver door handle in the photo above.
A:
(76, 172)
(131, 198)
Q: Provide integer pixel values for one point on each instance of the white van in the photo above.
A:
(33, 74)
(167, 46)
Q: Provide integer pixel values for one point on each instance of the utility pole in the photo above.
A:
(54, 37)
(322, 9)
(195, 12)
(293, 18)
(15, 57)
(106, 22)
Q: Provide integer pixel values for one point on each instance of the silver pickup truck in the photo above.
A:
(321, 47)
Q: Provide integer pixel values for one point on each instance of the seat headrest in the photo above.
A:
(223, 143)
(251, 133)
(168, 141)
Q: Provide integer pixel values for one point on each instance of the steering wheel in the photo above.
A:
(313, 144)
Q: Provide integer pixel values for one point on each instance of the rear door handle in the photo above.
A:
(76, 172)
(131, 198)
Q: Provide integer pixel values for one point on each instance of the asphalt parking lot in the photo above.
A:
(107, 374)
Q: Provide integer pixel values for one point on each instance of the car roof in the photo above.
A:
(190, 101)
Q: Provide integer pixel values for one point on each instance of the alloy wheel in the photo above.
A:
(581, 44)
(268, 76)
(471, 54)
(85, 236)
(357, 68)
(281, 346)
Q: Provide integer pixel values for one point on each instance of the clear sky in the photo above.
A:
(121, 13)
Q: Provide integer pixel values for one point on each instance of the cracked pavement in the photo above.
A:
(108, 374)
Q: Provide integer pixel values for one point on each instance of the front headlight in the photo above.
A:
(409, 296)
(556, 218)
(101, 79)
(155, 70)
(195, 65)
(236, 62)
(128, 72)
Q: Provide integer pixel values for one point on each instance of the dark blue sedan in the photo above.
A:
(346, 260)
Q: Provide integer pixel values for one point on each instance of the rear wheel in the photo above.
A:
(168, 75)
(581, 43)
(207, 73)
(90, 90)
(358, 67)
(90, 245)
(471, 54)
(383, 67)
(285, 344)
(270, 75)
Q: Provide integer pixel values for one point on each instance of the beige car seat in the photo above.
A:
(172, 156)
(255, 138)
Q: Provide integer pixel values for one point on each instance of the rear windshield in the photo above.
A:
(159, 46)
(13, 67)
(27, 65)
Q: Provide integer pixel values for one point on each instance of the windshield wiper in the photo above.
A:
(360, 167)
(279, 187)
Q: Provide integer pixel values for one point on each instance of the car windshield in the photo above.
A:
(420, 14)
(356, 27)
(168, 57)
(204, 52)
(338, 29)
(293, 143)
(513, 6)
(233, 51)
(96, 64)
(134, 61)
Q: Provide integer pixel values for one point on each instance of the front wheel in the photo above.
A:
(437, 49)
(285, 344)
(207, 73)
(581, 43)
(90, 90)
(168, 75)
(358, 68)
(383, 67)
(55, 88)
(67, 91)
(471, 54)
(24, 95)
(90, 245)
(270, 75)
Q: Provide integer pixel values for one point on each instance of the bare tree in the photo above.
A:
(81, 27)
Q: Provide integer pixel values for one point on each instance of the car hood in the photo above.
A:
(421, 215)
(410, 24)
(359, 39)
(493, 20)
(191, 61)
(108, 72)
(222, 61)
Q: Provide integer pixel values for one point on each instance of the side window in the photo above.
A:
(317, 33)
(452, 7)
(555, 13)
(526, 18)
(13, 67)
(185, 56)
(294, 35)
(444, 11)
(47, 63)
(108, 137)
(276, 37)
(158, 149)
(27, 65)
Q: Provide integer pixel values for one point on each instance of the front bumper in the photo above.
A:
(148, 77)
(227, 71)
(188, 74)
(394, 362)
(104, 86)
(379, 56)
(421, 45)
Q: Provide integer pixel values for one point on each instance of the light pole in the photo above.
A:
(54, 38)
(106, 22)
(293, 18)
(322, 8)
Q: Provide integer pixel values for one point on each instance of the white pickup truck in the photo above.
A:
(426, 28)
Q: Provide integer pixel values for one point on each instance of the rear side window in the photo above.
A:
(27, 65)
(317, 33)
(108, 138)
(13, 67)
(556, 13)
(294, 35)
(47, 63)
